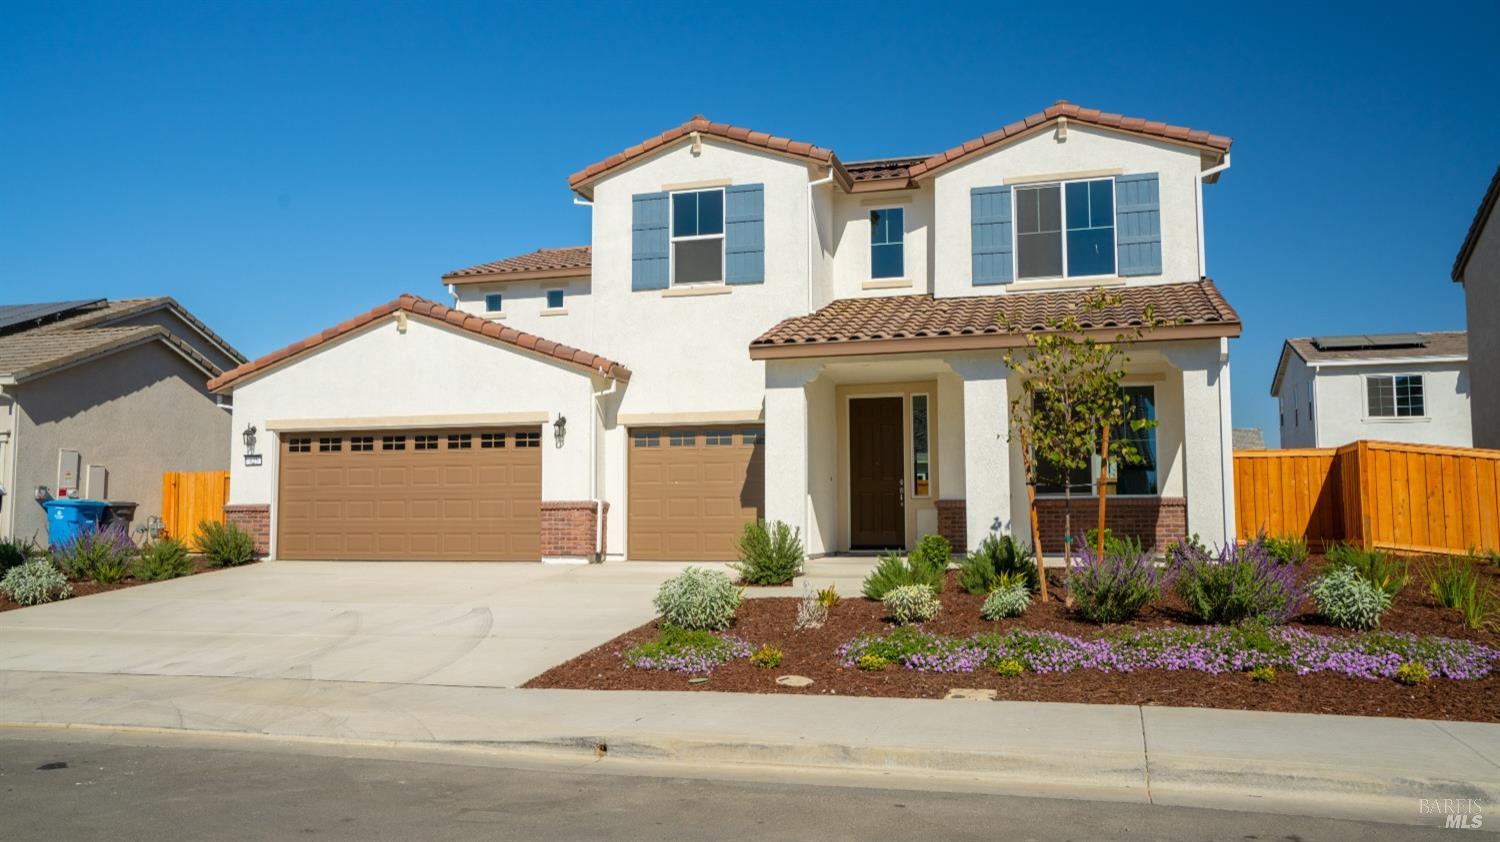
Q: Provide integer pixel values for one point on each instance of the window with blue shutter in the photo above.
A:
(650, 239)
(990, 237)
(1138, 223)
(745, 234)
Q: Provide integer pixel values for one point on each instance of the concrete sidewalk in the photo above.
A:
(1352, 767)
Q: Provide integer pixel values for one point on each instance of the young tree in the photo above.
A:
(1071, 399)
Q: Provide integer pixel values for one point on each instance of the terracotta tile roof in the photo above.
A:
(35, 352)
(704, 126)
(1384, 346)
(553, 262)
(434, 311)
(1090, 116)
(883, 169)
(973, 321)
(1481, 219)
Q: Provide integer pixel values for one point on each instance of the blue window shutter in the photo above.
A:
(649, 241)
(745, 234)
(1138, 223)
(991, 241)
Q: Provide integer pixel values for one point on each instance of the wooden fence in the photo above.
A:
(188, 498)
(1409, 498)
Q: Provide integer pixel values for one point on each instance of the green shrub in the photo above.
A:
(1413, 673)
(1237, 584)
(933, 552)
(770, 554)
(1286, 549)
(893, 571)
(1112, 588)
(14, 552)
(1192, 542)
(677, 649)
(698, 598)
(1265, 674)
(1009, 600)
(1381, 569)
(1457, 584)
(1010, 668)
(224, 544)
(166, 558)
(766, 657)
(97, 555)
(829, 597)
(872, 663)
(996, 557)
(1347, 599)
(35, 582)
(911, 604)
(1117, 545)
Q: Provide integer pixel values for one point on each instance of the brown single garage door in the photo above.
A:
(692, 489)
(442, 495)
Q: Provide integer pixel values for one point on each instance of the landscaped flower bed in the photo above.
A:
(1166, 655)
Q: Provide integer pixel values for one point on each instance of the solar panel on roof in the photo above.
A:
(1360, 342)
(24, 315)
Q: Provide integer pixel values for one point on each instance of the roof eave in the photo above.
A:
(518, 275)
(971, 342)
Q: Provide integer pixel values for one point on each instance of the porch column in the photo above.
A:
(987, 506)
(1206, 437)
(786, 441)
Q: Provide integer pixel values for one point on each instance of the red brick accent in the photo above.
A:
(253, 519)
(953, 523)
(1157, 521)
(569, 528)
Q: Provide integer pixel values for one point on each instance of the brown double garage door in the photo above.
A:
(692, 489)
(443, 495)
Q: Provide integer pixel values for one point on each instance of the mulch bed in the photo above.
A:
(85, 588)
(769, 620)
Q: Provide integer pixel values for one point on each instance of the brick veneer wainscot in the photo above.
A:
(952, 524)
(569, 527)
(253, 519)
(1157, 521)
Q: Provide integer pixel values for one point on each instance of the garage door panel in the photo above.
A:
(442, 502)
(689, 502)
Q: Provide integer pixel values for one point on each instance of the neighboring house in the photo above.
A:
(1403, 387)
(771, 332)
(1249, 438)
(1477, 267)
(101, 397)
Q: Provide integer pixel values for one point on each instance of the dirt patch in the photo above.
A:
(810, 652)
(86, 588)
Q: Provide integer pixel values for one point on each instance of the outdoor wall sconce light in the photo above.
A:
(249, 438)
(560, 429)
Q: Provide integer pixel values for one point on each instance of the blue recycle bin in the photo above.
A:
(68, 517)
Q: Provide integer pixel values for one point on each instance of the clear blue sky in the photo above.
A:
(280, 167)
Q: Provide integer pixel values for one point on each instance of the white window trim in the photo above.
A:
(904, 276)
(1394, 419)
(1096, 466)
(673, 239)
(1062, 199)
(498, 314)
(547, 300)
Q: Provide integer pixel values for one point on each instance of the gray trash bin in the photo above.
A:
(121, 512)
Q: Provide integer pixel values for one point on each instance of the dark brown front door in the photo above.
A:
(877, 478)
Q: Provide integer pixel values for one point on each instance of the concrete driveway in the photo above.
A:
(481, 625)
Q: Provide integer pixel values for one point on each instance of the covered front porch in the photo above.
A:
(874, 451)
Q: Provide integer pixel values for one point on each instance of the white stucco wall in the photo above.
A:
(1341, 405)
(851, 263)
(379, 372)
(1041, 154)
(1298, 401)
(525, 308)
(1482, 303)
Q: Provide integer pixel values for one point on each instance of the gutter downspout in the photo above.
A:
(812, 228)
(453, 291)
(1211, 171)
(594, 495)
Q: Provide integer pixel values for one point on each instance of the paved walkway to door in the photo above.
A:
(469, 624)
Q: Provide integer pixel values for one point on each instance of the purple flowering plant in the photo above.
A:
(100, 555)
(677, 649)
(1235, 583)
(1115, 586)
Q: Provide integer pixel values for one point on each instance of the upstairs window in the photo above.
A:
(554, 299)
(887, 243)
(698, 237)
(1396, 396)
(494, 302)
(1085, 246)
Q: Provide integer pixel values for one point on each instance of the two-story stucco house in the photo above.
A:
(1403, 387)
(760, 329)
(1477, 267)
